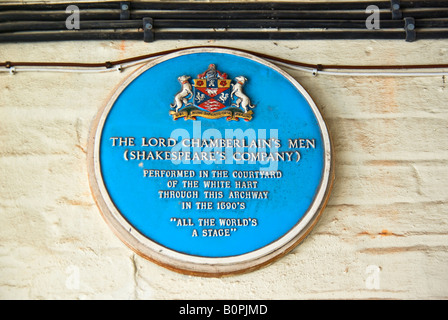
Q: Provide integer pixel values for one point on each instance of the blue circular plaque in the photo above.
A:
(210, 162)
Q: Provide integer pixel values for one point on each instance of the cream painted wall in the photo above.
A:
(384, 233)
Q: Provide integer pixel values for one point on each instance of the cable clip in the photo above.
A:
(148, 30)
(409, 27)
(318, 68)
(125, 7)
(395, 8)
(12, 69)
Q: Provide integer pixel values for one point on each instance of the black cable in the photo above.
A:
(225, 6)
(333, 20)
(61, 15)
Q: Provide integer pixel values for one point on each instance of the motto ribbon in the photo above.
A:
(229, 114)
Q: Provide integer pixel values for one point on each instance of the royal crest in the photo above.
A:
(212, 95)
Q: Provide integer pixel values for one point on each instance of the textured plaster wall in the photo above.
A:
(384, 233)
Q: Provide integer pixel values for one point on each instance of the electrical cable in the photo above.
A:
(316, 72)
(119, 65)
(173, 20)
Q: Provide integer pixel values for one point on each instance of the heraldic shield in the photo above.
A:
(212, 95)
(212, 90)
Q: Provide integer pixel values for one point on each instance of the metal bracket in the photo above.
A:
(409, 27)
(125, 13)
(395, 8)
(148, 30)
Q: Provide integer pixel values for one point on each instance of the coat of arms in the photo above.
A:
(212, 95)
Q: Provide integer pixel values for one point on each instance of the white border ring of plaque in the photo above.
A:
(251, 218)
